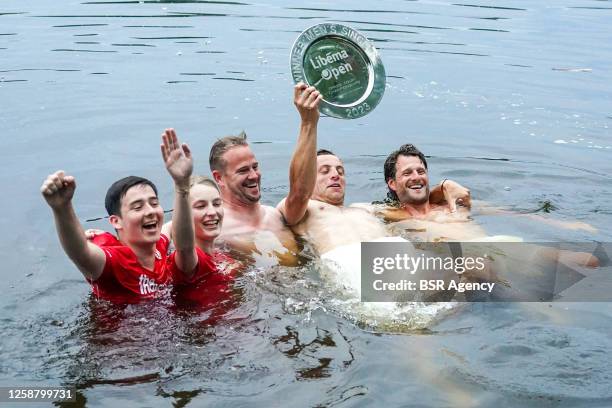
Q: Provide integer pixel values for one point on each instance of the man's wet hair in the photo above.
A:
(323, 152)
(223, 145)
(119, 188)
(390, 168)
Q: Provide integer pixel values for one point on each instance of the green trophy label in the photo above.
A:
(343, 65)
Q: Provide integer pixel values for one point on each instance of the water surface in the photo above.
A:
(511, 99)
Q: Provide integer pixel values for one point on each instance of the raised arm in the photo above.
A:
(179, 164)
(58, 190)
(303, 168)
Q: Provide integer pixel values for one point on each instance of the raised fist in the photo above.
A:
(58, 189)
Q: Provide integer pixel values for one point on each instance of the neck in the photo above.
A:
(232, 203)
(206, 245)
(323, 200)
(144, 252)
(417, 210)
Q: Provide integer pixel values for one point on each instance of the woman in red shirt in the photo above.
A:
(211, 284)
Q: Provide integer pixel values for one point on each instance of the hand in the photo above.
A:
(91, 233)
(454, 194)
(58, 189)
(307, 99)
(176, 157)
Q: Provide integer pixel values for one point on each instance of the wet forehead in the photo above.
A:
(408, 163)
(239, 156)
(328, 160)
(203, 192)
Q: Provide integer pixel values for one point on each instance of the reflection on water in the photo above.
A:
(508, 99)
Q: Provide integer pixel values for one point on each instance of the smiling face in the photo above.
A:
(207, 209)
(330, 183)
(240, 176)
(141, 216)
(411, 183)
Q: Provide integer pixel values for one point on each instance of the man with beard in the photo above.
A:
(406, 176)
(328, 224)
(254, 229)
(407, 179)
(336, 231)
(318, 213)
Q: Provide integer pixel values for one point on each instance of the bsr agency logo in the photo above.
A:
(329, 72)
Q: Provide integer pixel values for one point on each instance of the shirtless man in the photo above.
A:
(407, 179)
(406, 176)
(336, 231)
(322, 218)
(249, 226)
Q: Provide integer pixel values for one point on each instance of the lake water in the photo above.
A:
(510, 98)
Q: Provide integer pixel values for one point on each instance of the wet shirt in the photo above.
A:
(124, 279)
(211, 284)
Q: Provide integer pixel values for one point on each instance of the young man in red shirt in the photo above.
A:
(135, 266)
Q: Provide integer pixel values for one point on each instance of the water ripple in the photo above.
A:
(490, 7)
(77, 25)
(73, 50)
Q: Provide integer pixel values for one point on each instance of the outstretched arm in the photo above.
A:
(484, 209)
(58, 190)
(303, 168)
(179, 164)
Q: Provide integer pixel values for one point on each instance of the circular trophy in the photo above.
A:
(344, 67)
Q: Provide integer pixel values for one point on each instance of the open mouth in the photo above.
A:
(416, 187)
(150, 226)
(211, 224)
(251, 185)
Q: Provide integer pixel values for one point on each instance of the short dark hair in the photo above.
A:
(221, 146)
(322, 152)
(119, 188)
(404, 150)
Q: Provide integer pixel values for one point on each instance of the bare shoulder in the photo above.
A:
(371, 208)
(272, 217)
(442, 214)
(390, 214)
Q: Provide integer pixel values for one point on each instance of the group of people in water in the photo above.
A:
(146, 256)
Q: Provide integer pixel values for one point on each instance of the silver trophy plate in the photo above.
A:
(343, 65)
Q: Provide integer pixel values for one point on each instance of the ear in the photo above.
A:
(217, 176)
(116, 222)
(391, 184)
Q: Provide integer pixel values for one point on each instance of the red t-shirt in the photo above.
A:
(124, 279)
(211, 284)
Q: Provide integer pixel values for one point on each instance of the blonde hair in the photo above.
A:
(204, 180)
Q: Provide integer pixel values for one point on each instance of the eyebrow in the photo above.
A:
(421, 167)
(138, 201)
(141, 200)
